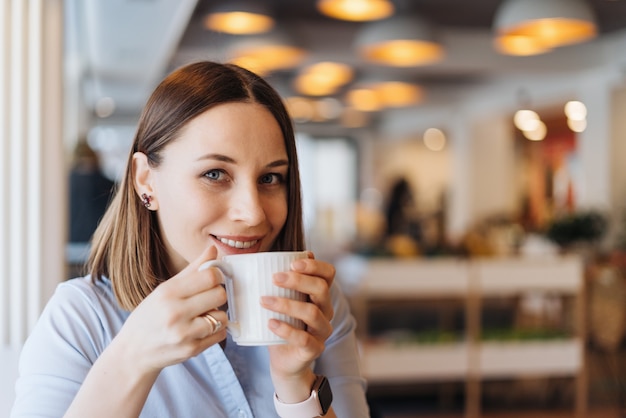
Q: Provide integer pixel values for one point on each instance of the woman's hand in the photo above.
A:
(168, 327)
(291, 363)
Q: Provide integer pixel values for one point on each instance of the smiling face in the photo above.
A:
(222, 183)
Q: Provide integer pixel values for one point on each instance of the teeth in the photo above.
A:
(237, 244)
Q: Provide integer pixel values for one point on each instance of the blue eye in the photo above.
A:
(214, 174)
(271, 178)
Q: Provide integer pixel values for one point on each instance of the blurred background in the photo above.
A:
(461, 166)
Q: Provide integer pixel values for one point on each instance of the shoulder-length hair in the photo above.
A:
(127, 246)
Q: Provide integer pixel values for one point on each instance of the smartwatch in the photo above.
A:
(316, 406)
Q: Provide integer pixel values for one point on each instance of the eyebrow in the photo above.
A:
(227, 159)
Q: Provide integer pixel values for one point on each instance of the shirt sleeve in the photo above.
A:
(59, 352)
(340, 362)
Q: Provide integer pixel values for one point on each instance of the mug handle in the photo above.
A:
(227, 281)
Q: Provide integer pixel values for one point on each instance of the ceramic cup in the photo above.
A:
(247, 277)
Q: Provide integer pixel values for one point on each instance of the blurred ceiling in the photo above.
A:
(122, 48)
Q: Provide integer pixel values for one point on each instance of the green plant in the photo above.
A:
(578, 227)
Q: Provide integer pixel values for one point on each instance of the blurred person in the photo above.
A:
(212, 171)
(403, 233)
(90, 192)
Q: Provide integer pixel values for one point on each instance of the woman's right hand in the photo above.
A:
(168, 327)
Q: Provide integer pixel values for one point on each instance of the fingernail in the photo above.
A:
(298, 265)
(268, 300)
(273, 324)
(280, 278)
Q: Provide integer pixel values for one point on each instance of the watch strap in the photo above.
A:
(309, 408)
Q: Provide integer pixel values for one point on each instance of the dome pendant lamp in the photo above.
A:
(356, 10)
(400, 41)
(239, 18)
(531, 27)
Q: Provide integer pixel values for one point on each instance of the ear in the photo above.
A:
(143, 179)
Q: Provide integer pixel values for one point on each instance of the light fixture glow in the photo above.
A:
(239, 23)
(577, 125)
(363, 99)
(403, 52)
(398, 94)
(575, 110)
(265, 53)
(524, 26)
(399, 41)
(526, 120)
(239, 18)
(323, 78)
(356, 10)
(434, 139)
(537, 134)
(520, 45)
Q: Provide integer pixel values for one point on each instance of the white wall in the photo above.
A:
(492, 173)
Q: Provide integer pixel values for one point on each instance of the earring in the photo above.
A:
(145, 199)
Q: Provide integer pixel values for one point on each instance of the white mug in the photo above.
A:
(247, 277)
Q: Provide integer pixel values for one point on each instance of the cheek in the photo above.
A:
(277, 213)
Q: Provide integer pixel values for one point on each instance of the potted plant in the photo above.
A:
(578, 230)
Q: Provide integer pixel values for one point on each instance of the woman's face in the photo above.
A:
(222, 183)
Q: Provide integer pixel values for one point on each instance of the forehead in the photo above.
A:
(234, 128)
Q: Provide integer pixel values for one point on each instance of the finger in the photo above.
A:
(190, 281)
(315, 287)
(206, 328)
(313, 267)
(206, 300)
(311, 345)
(316, 322)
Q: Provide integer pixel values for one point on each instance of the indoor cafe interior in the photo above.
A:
(463, 166)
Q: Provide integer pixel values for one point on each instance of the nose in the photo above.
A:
(246, 204)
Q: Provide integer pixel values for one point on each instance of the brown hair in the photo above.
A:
(127, 246)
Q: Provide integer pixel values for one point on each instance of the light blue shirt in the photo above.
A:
(82, 318)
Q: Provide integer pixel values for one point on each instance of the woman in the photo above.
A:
(212, 171)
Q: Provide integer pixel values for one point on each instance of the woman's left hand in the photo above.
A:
(291, 363)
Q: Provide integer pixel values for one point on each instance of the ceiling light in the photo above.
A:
(265, 53)
(577, 125)
(522, 26)
(399, 41)
(364, 100)
(526, 120)
(239, 18)
(434, 139)
(398, 94)
(356, 10)
(375, 95)
(538, 133)
(520, 45)
(323, 78)
(575, 110)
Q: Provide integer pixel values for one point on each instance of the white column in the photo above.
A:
(32, 169)
(459, 209)
(595, 143)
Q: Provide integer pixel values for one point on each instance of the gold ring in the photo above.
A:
(216, 325)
